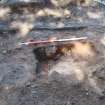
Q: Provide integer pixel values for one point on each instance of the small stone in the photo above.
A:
(33, 92)
(4, 51)
(87, 93)
(6, 88)
(100, 73)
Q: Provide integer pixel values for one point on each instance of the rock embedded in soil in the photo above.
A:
(100, 73)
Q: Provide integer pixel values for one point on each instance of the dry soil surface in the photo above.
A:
(18, 82)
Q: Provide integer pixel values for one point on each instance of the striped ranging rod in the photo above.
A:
(51, 41)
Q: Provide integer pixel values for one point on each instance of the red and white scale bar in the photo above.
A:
(51, 41)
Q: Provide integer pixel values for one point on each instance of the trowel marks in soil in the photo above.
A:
(70, 64)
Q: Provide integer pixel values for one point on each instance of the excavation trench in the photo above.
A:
(46, 58)
(50, 56)
(69, 64)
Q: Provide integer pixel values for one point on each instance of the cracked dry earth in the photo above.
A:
(20, 86)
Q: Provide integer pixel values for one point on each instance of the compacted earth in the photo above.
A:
(19, 83)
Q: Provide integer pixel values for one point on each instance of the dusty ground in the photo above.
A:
(18, 82)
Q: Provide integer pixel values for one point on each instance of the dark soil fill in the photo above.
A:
(44, 55)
